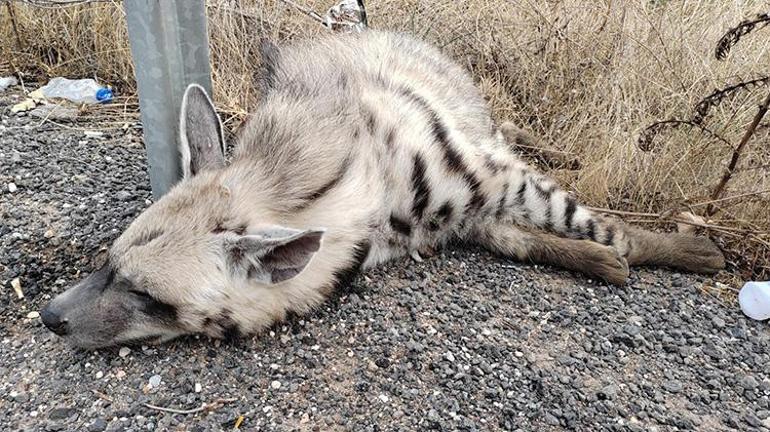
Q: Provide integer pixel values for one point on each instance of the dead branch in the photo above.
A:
(704, 106)
(711, 210)
(648, 135)
(729, 39)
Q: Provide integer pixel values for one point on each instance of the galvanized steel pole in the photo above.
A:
(170, 48)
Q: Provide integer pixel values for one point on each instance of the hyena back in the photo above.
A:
(364, 148)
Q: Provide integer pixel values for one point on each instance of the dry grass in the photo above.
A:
(586, 76)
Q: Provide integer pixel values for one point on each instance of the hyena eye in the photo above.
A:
(141, 294)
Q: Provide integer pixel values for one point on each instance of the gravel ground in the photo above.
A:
(463, 341)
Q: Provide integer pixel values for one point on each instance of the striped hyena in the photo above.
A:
(364, 148)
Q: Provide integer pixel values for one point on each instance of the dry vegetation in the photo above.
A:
(588, 77)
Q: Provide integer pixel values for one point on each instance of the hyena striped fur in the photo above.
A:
(364, 148)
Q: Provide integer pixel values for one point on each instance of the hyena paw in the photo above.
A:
(606, 263)
(699, 254)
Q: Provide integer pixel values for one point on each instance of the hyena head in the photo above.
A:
(180, 265)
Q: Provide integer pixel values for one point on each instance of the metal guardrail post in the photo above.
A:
(170, 49)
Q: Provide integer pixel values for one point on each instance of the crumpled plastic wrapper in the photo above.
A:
(348, 16)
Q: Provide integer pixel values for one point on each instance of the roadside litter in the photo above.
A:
(82, 91)
(79, 91)
(754, 298)
(6, 82)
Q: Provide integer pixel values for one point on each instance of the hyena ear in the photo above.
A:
(272, 255)
(202, 141)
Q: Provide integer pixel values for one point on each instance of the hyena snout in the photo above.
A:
(54, 321)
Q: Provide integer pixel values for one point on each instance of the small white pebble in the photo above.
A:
(12, 187)
(125, 351)
(99, 375)
(154, 381)
(383, 398)
(198, 387)
(486, 332)
(275, 385)
(33, 315)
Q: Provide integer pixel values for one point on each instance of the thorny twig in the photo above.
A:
(647, 137)
(735, 34)
(204, 406)
(715, 98)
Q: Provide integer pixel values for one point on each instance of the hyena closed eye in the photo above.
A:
(378, 148)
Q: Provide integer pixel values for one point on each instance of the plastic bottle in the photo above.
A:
(754, 298)
(78, 91)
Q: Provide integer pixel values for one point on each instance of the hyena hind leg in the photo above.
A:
(680, 251)
(539, 247)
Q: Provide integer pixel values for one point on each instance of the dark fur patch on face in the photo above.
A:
(162, 311)
(146, 238)
(420, 188)
(151, 306)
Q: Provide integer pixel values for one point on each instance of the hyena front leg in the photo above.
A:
(584, 256)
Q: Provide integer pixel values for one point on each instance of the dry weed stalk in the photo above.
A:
(714, 99)
(734, 35)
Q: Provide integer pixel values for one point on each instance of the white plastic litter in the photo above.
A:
(347, 16)
(79, 91)
(6, 82)
(755, 300)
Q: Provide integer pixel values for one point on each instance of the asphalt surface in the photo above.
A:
(462, 341)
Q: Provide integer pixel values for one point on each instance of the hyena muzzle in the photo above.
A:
(364, 148)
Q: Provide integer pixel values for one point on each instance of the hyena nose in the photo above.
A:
(54, 321)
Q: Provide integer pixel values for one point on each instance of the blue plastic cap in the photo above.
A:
(104, 95)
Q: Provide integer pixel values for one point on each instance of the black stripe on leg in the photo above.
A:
(501, 202)
(420, 188)
(569, 212)
(591, 229)
(610, 235)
